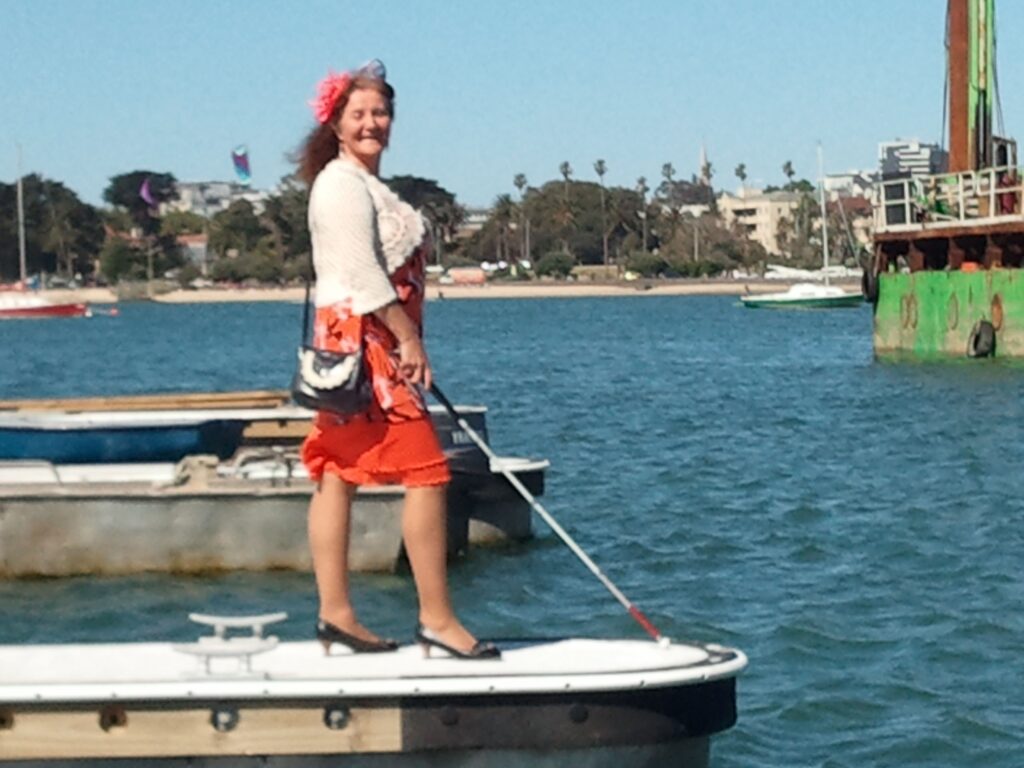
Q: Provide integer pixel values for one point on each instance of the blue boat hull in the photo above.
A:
(116, 445)
(112, 443)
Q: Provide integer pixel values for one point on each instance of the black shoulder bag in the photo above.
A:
(330, 381)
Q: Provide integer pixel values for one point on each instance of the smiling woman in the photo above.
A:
(370, 251)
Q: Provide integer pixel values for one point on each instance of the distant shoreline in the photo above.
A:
(499, 290)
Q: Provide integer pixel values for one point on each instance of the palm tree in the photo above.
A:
(504, 209)
(668, 172)
(566, 170)
(667, 190)
(787, 168)
(566, 215)
(448, 216)
(601, 169)
(741, 173)
(643, 189)
(519, 180)
(58, 234)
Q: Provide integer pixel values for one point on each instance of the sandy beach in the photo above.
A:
(500, 290)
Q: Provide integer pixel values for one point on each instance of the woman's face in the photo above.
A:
(365, 126)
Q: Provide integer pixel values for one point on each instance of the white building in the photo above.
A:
(850, 184)
(696, 210)
(757, 214)
(208, 198)
(473, 222)
(913, 157)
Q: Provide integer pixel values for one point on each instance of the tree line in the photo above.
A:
(672, 229)
(562, 223)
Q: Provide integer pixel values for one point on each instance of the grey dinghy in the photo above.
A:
(254, 701)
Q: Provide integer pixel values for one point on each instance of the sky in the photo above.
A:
(485, 89)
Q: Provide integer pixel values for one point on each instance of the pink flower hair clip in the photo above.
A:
(328, 91)
(331, 88)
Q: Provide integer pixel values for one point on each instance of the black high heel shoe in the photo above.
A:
(481, 650)
(329, 634)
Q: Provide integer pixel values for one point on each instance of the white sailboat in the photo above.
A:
(809, 295)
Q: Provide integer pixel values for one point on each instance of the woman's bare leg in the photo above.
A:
(424, 529)
(330, 518)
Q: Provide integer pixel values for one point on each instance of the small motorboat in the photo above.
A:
(21, 306)
(250, 700)
(162, 428)
(115, 437)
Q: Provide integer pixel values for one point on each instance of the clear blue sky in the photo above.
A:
(486, 89)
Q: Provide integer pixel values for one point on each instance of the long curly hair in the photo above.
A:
(321, 144)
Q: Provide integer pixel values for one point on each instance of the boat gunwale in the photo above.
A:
(719, 663)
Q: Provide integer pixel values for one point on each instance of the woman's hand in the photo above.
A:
(412, 358)
(412, 361)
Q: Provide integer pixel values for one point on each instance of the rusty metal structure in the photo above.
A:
(949, 247)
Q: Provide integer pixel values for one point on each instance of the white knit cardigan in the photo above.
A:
(361, 232)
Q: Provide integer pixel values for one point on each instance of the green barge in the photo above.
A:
(946, 277)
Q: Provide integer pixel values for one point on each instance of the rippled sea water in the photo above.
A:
(748, 477)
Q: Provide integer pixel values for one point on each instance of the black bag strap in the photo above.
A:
(305, 305)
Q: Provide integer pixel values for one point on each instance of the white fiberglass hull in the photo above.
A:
(560, 702)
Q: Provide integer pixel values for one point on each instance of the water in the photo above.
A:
(744, 476)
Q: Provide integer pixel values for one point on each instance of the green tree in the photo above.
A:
(182, 223)
(625, 225)
(720, 248)
(741, 173)
(646, 264)
(120, 260)
(550, 229)
(125, 192)
(236, 229)
(555, 264)
(285, 217)
(798, 237)
(494, 240)
(116, 220)
(62, 234)
(435, 202)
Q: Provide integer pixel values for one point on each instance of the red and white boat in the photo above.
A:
(19, 304)
(22, 306)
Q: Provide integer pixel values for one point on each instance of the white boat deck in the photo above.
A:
(48, 674)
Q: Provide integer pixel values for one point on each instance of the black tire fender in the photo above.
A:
(869, 285)
(982, 341)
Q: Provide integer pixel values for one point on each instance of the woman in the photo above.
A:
(370, 251)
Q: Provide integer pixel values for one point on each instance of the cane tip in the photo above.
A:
(664, 642)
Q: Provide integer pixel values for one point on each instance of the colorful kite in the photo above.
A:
(146, 194)
(240, 157)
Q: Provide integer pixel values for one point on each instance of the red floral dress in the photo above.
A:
(395, 441)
